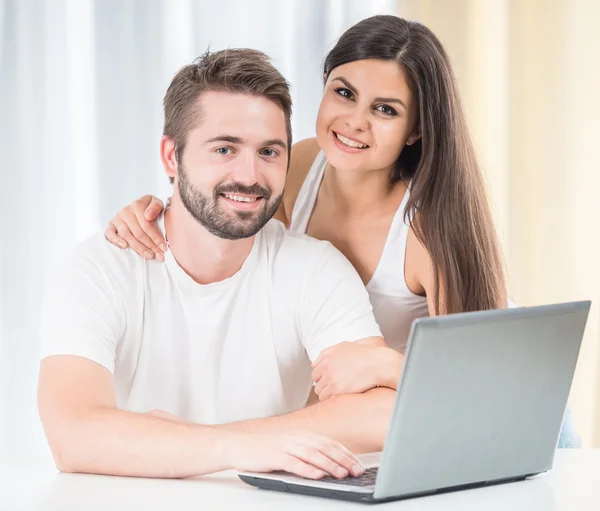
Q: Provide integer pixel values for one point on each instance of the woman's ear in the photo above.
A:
(413, 138)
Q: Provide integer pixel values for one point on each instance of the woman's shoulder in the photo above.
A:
(305, 149)
(302, 157)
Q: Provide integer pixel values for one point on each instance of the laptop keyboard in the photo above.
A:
(367, 479)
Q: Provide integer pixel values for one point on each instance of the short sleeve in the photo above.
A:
(335, 306)
(80, 312)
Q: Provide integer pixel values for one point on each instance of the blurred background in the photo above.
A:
(81, 87)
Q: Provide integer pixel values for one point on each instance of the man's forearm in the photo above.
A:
(155, 445)
(116, 442)
(359, 421)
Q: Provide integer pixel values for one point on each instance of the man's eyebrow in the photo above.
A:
(225, 138)
(276, 141)
(237, 140)
(378, 100)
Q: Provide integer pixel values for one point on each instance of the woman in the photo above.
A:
(391, 179)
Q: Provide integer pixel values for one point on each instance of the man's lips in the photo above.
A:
(242, 201)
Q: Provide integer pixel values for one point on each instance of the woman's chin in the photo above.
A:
(346, 161)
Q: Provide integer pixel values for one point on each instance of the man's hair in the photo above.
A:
(242, 71)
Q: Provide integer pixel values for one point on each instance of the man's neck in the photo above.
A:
(206, 258)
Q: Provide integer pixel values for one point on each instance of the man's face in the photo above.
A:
(233, 168)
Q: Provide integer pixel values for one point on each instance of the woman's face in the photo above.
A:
(367, 115)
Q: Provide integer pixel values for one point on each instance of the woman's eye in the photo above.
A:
(346, 93)
(224, 150)
(268, 152)
(388, 110)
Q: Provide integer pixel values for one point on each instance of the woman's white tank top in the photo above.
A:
(394, 305)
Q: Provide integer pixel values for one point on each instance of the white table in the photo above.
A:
(573, 484)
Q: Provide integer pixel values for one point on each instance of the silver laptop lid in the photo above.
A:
(481, 397)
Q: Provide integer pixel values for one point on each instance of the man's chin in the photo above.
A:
(246, 216)
(242, 216)
(237, 226)
(235, 234)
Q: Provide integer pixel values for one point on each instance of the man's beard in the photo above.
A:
(230, 226)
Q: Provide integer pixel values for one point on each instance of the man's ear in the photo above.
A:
(168, 156)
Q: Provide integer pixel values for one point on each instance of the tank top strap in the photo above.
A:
(392, 262)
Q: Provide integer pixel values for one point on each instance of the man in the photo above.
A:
(197, 365)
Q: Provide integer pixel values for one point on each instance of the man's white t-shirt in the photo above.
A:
(231, 350)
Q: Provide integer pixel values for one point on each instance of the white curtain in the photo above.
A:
(81, 86)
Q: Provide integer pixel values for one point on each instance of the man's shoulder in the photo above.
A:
(300, 252)
(95, 255)
(293, 243)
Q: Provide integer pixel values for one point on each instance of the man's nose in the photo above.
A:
(247, 170)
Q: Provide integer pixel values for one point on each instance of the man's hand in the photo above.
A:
(302, 453)
(353, 367)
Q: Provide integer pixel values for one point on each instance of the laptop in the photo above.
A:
(480, 401)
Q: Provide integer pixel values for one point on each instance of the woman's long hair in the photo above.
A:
(450, 212)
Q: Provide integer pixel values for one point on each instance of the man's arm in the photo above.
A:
(336, 418)
(87, 433)
(83, 321)
(358, 421)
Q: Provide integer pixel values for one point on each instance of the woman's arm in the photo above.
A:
(419, 273)
(134, 226)
(355, 367)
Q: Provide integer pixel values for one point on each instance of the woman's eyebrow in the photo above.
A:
(390, 100)
(378, 100)
(346, 83)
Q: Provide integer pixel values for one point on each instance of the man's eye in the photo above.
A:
(268, 152)
(346, 93)
(388, 110)
(224, 150)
